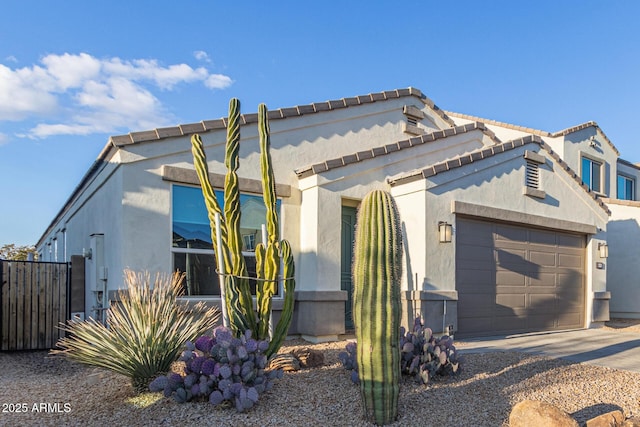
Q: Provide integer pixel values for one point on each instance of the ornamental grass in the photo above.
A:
(145, 332)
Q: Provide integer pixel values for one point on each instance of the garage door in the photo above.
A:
(513, 279)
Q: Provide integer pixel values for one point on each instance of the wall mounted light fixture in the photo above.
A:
(603, 250)
(445, 230)
(87, 253)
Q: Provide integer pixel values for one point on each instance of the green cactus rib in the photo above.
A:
(202, 170)
(268, 180)
(213, 208)
(267, 288)
(239, 285)
(271, 260)
(377, 310)
(288, 271)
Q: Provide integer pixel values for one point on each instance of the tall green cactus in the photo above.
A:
(237, 282)
(377, 270)
(240, 319)
(238, 298)
(273, 250)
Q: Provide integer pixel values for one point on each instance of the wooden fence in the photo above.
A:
(33, 302)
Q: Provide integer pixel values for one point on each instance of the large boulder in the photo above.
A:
(532, 413)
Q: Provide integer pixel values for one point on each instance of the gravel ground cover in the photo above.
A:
(37, 390)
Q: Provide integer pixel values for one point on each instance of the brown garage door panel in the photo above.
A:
(513, 279)
(544, 280)
(568, 320)
(543, 259)
(570, 261)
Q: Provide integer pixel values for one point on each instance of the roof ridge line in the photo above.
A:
(534, 131)
(562, 132)
(484, 153)
(280, 113)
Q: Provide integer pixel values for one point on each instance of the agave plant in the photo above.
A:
(145, 332)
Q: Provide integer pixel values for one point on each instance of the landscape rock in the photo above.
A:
(287, 362)
(308, 357)
(532, 413)
(610, 419)
(631, 422)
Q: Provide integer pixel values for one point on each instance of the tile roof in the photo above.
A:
(281, 113)
(390, 148)
(538, 132)
(489, 152)
(628, 163)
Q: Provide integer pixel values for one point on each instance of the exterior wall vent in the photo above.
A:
(413, 115)
(532, 179)
(531, 188)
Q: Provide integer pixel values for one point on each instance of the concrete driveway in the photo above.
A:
(619, 350)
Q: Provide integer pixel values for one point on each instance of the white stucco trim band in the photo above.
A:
(189, 176)
(471, 209)
(630, 203)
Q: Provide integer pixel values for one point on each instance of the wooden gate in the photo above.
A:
(33, 301)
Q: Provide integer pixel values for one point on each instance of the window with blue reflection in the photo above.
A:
(192, 241)
(592, 174)
(626, 188)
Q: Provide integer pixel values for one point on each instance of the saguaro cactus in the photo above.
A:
(376, 276)
(268, 254)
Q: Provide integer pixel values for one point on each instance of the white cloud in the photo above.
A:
(217, 81)
(90, 95)
(201, 55)
(25, 92)
(3, 139)
(70, 71)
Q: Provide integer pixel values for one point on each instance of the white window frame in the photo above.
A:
(593, 161)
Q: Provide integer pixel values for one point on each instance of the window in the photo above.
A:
(626, 188)
(592, 174)
(192, 247)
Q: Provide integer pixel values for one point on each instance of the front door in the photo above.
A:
(348, 234)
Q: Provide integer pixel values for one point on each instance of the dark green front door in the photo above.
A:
(348, 233)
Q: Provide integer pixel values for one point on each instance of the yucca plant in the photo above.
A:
(145, 331)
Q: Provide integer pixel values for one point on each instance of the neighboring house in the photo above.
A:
(505, 227)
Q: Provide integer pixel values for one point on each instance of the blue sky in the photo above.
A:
(74, 72)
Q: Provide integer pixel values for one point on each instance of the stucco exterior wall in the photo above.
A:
(296, 141)
(496, 183)
(623, 272)
(129, 201)
(97, 210)
(590, 143)
(146, 219)
(322, 200)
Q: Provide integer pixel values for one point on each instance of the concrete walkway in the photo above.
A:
(619, 350)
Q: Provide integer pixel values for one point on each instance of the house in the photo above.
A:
(506, 228)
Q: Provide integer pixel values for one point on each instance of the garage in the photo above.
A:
(517, 279)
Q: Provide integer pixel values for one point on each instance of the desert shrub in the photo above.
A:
(145, 330)
(423, 356)
(222, 369)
